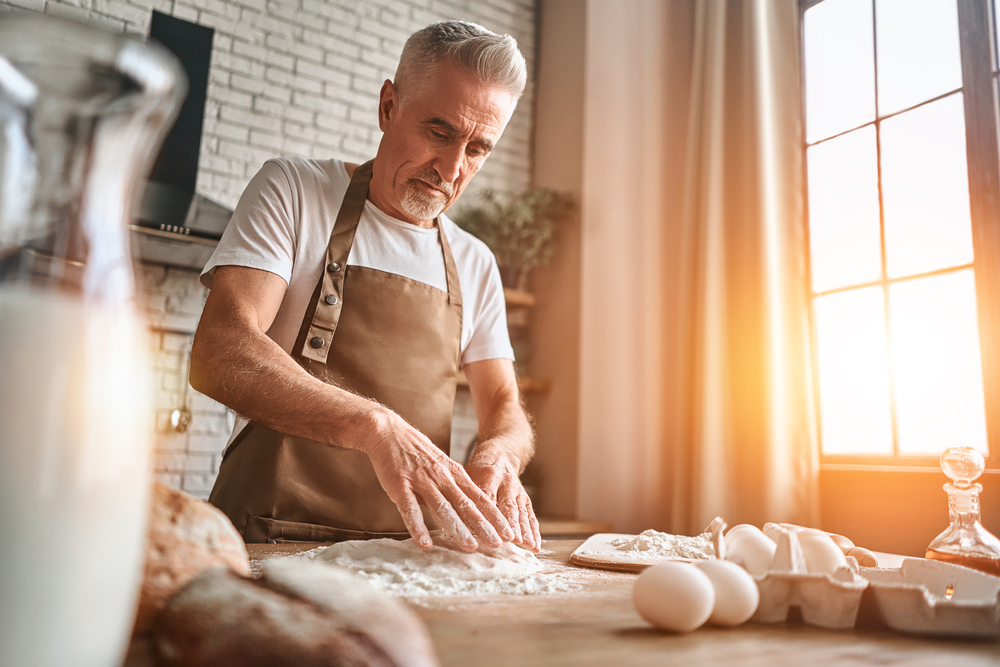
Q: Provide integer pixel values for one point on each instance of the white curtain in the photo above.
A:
(695, 385)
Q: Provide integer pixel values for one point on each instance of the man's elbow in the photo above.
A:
(201, 373)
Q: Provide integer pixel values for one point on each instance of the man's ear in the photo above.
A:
(388, 102)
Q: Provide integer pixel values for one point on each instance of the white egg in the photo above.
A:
(740, 529)
(736, 593)
(844, 543)
(822, 554)
(810, 532)
(753, 550)
(674, 596)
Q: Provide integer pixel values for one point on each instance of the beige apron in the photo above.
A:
(377, 334)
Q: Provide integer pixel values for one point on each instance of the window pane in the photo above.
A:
(936, 364)
(925, 189)
(918, 55)
(853, 372)
(840, 67)
(843, 211)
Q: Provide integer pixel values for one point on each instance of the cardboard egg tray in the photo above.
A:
(922, 597)
(933, 598)
(829, 601)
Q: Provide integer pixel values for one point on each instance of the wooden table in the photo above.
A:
(599, 626)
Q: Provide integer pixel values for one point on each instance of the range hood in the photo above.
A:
(187, 246)
(175, 226)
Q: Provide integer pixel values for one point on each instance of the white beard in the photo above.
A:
(421, 205)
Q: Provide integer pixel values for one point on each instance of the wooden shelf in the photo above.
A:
(536, 385)
(516, 297)
(577, 528)
(525, 384)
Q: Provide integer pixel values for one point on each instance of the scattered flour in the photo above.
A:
(654, 545)
(402, 568)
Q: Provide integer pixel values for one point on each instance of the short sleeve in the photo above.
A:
(261, 233)
(490, 337)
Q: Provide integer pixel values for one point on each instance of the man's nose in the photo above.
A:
(449, 163)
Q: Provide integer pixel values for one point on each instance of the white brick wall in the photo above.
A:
(288, 77)
(186, 460)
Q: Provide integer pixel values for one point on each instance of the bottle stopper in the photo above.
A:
(963, 465)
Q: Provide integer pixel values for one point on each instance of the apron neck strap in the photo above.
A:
(454, 287)
(349, 215)
(323, 312)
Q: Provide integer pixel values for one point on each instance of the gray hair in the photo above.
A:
(491, 57)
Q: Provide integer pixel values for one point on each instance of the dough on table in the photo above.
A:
(400, 567)
(442, 560)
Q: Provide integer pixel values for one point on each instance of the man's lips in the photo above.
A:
(433, 189)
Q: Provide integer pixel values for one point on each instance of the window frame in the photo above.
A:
(979, 61)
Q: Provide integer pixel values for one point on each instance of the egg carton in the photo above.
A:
(934, 598)
(826, 600)
(922, 596)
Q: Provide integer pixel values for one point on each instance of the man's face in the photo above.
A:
(436, 137)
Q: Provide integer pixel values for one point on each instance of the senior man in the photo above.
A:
(342, 305)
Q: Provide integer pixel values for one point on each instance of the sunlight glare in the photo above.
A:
(840, 67)
(925, 189)
(937, 364)
(853, 372)
(918, 52)
(844, 234)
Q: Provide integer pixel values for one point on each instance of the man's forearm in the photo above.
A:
(506, 431)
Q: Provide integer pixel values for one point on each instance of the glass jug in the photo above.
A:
(82, 113)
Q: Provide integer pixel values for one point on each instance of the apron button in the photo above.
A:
(331, 299)
(333, 268)
(317, 342)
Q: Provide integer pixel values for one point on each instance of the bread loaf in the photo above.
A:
(185, 536)
(299, 614)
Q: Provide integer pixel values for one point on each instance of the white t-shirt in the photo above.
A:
(283, 222)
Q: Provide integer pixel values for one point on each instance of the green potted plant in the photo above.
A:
(520, 228)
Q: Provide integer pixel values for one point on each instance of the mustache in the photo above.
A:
(432, 178)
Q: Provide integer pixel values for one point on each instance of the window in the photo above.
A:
(903, 191)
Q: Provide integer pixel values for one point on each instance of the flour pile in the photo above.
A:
(402, 568)
(654, 545)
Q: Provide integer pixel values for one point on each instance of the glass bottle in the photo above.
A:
(82, 113)
(965, 541)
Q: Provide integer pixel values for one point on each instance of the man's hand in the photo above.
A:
(414, 472)
(498, 477)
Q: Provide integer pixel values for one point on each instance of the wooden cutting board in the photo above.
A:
(599, 552)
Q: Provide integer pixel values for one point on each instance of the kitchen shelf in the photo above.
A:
(573, 529)
(525, 384)
(518, 298)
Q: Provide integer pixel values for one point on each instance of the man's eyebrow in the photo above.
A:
(437, 121)
(441, 122)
